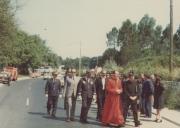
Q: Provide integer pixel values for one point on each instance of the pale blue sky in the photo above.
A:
(66, 23)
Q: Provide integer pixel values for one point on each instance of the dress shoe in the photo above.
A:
(159, 121)
(53, 116)
(48, 113)
(139, 123)
(84, 121)
(68, 120)
(121, 125)
(72, 119)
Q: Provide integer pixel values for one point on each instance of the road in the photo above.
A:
(23, 105)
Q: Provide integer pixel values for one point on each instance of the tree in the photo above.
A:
(110, 54)
(156, 47)
(7, 30)
(146, 34)
(112, 37)
(165, 41)
(128, 39)
(177, 41)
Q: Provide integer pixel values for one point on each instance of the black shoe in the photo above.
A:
(72, 119)
(53, 116)
(84, 121)
(159, 121)
(48, 113)
(68, 120)
(121, 125)
(139, 123)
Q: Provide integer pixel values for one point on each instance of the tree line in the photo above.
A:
(17, 47)
(126, 44)
(131, 42)
(138, 40)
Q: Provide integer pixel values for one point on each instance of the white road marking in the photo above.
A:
(27, 101)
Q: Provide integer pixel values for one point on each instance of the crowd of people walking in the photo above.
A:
(115, 95)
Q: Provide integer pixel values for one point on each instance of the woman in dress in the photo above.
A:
(112, 113)
(158, 98)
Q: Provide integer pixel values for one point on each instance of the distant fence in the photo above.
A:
(171, 84)
(172, 94)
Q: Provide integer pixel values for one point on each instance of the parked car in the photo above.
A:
(13, 72)
(5, 77)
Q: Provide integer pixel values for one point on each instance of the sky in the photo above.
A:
(64, 24)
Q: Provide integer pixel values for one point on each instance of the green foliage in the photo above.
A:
(128, 38)
(112, 38)
(111, 66)
(171, 93)
(154, 64)
(19, 48)
(142, 39)
(86, 62)
(110, 54)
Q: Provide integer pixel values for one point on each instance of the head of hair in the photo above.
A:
(130, 74)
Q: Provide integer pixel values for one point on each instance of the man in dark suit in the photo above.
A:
(100, 91)
(86, 88)
(52, 91)
(132, 94)
(147, 94)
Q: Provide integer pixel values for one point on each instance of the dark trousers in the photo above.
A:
(73, 108)
(86, 103)
(52, 104)
(133, 105)
(148, 107)
(142, 105)
(100, 104)
(65, 102)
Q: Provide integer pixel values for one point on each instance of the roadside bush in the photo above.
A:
(111, 65)
(172, 94)
(157, 64)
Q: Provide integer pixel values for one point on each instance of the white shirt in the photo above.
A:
(103, 83)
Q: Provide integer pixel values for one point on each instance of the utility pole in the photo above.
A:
(97, 61)
(171, 38)
(80, 60)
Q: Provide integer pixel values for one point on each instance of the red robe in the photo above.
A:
(113, 113)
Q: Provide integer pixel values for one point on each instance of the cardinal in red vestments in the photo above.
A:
(113, 113)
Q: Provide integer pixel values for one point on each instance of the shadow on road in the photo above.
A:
(56, 118)
(60, 108)
(90, 118)
(147, 120)
(37, 113)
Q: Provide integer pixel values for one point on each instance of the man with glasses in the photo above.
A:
(100, 91)
(70, 94)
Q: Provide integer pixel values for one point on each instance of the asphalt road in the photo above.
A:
(23, 105)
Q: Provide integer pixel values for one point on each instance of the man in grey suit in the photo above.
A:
(70, 94)
(52, 91)
(86, 88)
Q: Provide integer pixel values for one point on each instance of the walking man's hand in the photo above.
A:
(60, 96)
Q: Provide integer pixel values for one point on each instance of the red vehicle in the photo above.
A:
(13, 72)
